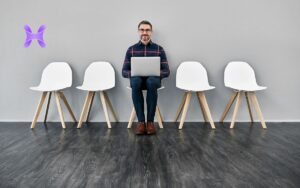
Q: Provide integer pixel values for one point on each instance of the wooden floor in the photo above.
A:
(195, 156)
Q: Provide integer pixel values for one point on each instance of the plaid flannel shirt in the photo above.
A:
(141, 50)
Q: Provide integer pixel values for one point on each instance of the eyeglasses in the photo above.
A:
(147, 30)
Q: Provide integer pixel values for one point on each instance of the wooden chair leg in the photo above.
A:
(236, 108)
(258, 110)
(110, 106)
(228, 106)
(202, 108)
(180, 107)
(63, 97)
(104, 105)
(160, 115)
(90, 104)
(38, 110)
(249, 106)
(185, 108)
(61, 115)
(47, 108)
(84, 109)
(206, 109)
(131, 118)
(159, 118)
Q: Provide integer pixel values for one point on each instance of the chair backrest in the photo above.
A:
(99, 74)
(57, 75)
(191, 74)
(239, 74)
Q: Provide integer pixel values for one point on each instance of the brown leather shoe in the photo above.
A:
(140, 128)
(151, 128)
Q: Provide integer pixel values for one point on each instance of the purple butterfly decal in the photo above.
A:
(31, 36)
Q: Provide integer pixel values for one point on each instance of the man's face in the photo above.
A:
(145, 32)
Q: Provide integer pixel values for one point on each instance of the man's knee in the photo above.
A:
(136, 82)
(153, 82)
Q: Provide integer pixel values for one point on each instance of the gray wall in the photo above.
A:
(263, 32)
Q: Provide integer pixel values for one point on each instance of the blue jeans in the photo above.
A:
(151, 84)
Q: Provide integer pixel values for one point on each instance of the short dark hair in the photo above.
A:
(145, 22)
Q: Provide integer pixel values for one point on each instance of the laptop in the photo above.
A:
(145, 66)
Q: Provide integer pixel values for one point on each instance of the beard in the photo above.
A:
(145, 37)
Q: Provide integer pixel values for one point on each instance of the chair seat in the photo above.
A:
(47, 88)
(199, 88)
(93, 88)
(162, 87)
(248, 88)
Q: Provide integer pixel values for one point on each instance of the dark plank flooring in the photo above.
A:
(196, 156)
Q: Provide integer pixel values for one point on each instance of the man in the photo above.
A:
(145, 47)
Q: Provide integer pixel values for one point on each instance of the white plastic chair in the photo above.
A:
(98, 77)
(191, 77)
(240, 77)
(55, 77)
(157, 112)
